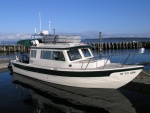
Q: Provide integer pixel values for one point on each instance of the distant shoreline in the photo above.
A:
(118, 38)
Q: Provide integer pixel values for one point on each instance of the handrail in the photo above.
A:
(110, 56)
(132, 58)
(125, 60)
(122, 58)
(81, 65)
(44, 38)
(106, 62)
(122, 54)
(88, 63)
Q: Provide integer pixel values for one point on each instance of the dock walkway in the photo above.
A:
(4, 63)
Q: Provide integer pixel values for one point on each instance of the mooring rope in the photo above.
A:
(146, 73)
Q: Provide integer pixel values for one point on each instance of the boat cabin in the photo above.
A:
(63, 52)
(77, 56)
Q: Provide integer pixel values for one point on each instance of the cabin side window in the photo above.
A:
(86, 52)
(74, 54)
(45, 54)
(52, 55)
(33, 53)
(58, 55)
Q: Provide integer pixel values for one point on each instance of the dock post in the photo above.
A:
(100, 41)
(100, 44)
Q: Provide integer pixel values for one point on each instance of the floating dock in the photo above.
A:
(4, 63)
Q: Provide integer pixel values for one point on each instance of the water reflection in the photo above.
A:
(4, 55)
(9, 55)
(63, 99)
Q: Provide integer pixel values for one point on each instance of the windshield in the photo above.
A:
(74, 54)
(86, 52)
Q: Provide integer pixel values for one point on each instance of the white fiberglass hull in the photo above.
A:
(114, 80)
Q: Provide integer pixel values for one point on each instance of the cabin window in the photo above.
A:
(58, 55)
(33, 53)
(86, 52)
(74, 54)
(52, 55)
(45, 54)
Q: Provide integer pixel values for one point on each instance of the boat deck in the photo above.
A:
(103, 67)
(108, 66)
(113, 65)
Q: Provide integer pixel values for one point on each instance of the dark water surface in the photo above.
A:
(13, 100)
(20, 94)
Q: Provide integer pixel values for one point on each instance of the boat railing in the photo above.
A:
(88, 63)
(123, 61)
(129, 58)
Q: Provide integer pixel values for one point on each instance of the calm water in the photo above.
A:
(19, 94)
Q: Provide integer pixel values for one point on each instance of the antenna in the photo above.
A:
(40, 21)
(49, 28)
(54, 31)
(35, 30)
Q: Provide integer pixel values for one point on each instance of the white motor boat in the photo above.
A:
(64, 60)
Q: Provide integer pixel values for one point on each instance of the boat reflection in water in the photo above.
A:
(64, 99)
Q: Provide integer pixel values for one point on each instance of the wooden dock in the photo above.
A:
(4, 63)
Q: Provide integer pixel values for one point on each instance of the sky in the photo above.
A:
(111, 17)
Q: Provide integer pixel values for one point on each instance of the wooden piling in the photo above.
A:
(13, 48)
(100, 41)
(97, 46)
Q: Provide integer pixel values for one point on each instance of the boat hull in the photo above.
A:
(107, 79)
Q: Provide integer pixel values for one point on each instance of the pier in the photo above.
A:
(13, 48)
(97, 46)
(121, 45)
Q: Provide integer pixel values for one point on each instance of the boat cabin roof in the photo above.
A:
(61, 46)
